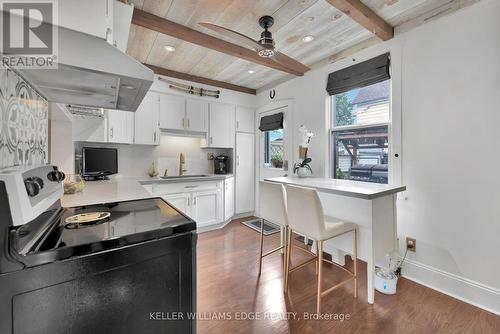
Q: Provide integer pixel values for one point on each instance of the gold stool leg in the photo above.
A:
(261, 244)
(355, 251)
(317, 257)
(285, 250)
(288, 256)
(320, 272)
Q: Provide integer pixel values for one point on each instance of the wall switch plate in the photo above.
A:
(411, 244)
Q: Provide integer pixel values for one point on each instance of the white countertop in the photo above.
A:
(123, 189)
(364, 190)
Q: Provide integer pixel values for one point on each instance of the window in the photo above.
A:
(359, 135)
(273, 149)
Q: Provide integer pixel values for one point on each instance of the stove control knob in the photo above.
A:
(56, 176)
(32, 187)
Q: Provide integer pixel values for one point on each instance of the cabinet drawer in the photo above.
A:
(182, 187)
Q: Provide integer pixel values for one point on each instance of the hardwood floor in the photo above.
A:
(228, 286)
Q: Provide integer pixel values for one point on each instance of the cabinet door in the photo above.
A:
(196, 115)
(228, 198)
(90, 129)
(245, 119)
(120, 126)
(182, 202)
(205, 209)
(93, 18)
(146, 121)
(122, 18)
(221, 130)
(244, 173)
(172, 112)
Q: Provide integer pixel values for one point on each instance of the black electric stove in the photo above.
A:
(106, 268)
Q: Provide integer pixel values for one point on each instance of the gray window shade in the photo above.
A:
(271, 122)
(363, 74)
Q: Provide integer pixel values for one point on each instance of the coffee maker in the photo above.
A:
(221, 164)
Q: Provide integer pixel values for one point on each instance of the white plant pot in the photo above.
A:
(303, 172)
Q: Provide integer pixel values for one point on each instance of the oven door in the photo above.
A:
(143, 288)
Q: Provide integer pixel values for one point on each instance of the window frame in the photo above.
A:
(333, 129)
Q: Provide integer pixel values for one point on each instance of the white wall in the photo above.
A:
(446, 87)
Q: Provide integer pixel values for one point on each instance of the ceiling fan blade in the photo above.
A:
(289, 62)
(245, 40)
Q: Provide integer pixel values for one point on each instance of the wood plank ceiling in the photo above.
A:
(333, 32)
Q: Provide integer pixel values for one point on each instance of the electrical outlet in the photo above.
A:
(411, 244)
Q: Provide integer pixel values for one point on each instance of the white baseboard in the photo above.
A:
(464, 289)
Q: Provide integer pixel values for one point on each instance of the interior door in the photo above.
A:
(172, 112)
(275, 147)
(245, 172)
(197, 115)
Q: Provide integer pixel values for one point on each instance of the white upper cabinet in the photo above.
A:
(221, 125)
(196, 115)
(122, 19)
(106, 19)
(120, 126)
(245, 119)
(93, 18)
(147, 121)
(172, 112)
(90, 129)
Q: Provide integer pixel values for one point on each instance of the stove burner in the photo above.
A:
(87, 219)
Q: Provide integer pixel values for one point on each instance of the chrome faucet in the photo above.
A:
(182, 161)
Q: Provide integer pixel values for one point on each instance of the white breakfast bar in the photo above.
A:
(371, 206)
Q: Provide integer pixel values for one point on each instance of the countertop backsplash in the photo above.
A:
(135, 160)
(23, 122)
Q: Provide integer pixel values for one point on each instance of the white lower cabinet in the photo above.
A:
(228, 198)
(206, 207)
(202, 201)
(181, 201)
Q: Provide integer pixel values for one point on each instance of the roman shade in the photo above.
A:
(271, 122)
(363, 74)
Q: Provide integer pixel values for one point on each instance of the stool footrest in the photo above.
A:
(327, 291)
(273, 250)
(302, 264)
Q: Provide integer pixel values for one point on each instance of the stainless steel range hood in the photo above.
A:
(91, 73)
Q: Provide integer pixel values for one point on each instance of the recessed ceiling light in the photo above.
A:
(307, 38)
(169, 48)
(251, 71)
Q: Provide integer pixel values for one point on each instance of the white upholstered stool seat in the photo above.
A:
(272, 208)
(306, 217)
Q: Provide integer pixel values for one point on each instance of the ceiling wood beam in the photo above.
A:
(202, 80)
(366, 17)
(167, 27)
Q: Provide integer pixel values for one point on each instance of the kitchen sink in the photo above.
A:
(183, 176)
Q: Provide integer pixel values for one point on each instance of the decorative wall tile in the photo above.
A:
(23, 122)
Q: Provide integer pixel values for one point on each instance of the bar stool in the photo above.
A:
(305, 216)
(272, 208)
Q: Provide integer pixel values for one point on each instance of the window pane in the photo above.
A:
(366, 105)
(273, 149)
(361, 154)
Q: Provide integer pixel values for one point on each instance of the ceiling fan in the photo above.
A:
(264, 46)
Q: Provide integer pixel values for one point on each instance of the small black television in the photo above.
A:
(99, 162)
